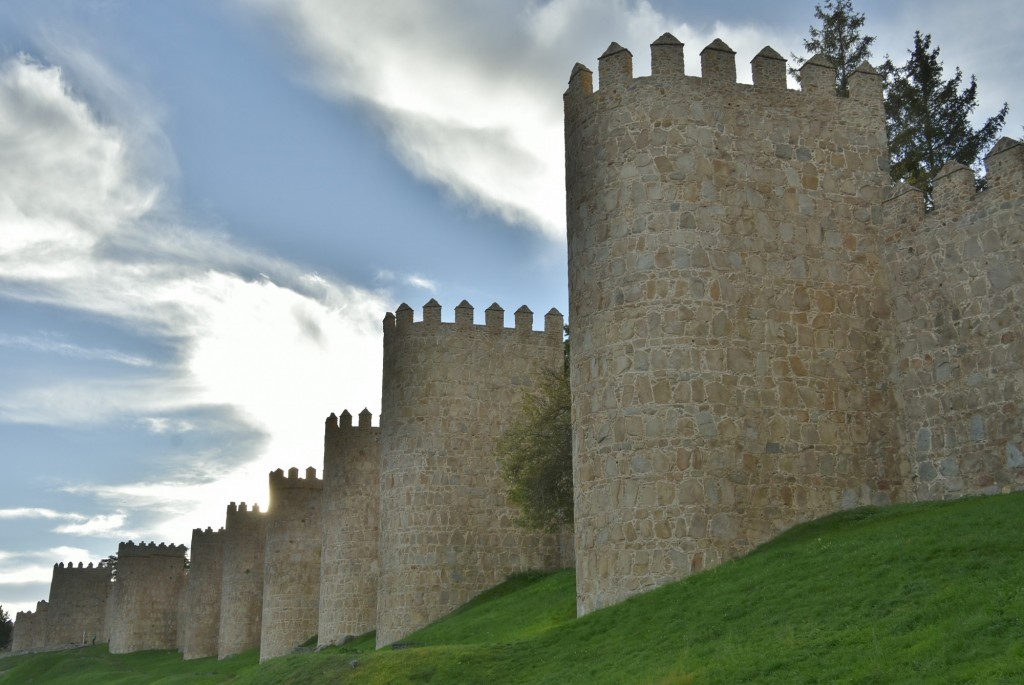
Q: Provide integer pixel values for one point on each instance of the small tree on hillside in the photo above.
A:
(6, 629)
(536, 454)
(928, 117)
(839, 39)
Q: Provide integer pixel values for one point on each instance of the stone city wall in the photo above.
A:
(958, 292)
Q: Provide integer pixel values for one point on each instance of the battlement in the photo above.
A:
(344, 422)
(71, 568)
(278, 480)
(401, 321)
(718, 70)
(130, 549)
(200, 535)
(242, 508)
(955, 189)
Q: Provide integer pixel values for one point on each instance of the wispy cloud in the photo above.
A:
(482, 117)
(38, 513)
(87, 227)
(45, 343)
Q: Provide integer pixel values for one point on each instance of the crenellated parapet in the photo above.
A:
(956, 267)
(402, 322)
(349, 566)
(447, 531)
(292, 481)
(151, 549)
(729, 357)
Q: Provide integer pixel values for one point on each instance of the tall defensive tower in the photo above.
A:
(78, 605)
(201, 603)
(447, 531)
(147, 597)
(349, 567)
(241, 601)
(729, 359)
(291, 582)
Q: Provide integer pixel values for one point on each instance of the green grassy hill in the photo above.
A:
(925, 593)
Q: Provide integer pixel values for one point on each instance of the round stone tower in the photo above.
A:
(241, 601)
(147, 597)
(349, 568)
(449, 390)
(201, 605)
(729, 354)
(291, 582)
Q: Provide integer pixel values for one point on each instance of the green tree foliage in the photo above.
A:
(6, 628)
(839, 39)
(928, 117)
(536, 454)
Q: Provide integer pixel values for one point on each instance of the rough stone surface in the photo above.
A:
(349, 568)
(241, 599)
(449, 390)
(147, 597)
(78, 605)
(958, 295)
(202, 597)
(729, 363)
(291, 581)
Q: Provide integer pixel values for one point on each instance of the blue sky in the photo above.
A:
(206, 208)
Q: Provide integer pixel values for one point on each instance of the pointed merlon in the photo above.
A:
(818, 74)
(346, 419)
(768, 69)
(1004, 164)
(954, 185)
(494, 316)
(432, 312)
(403, 315)
(464, 314)
(615, 66)
(667, 57)
(554, 323)
(524, 319)
(718, 62)
(365, 417)
(581, 81)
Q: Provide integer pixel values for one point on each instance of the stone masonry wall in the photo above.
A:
(241, 597)
(150, 581)
(202, 597)
(449, 390)
(729, 352)
(40, 626)
(958, 287)
(349, 568)
(24, 623)
(78, 605)
(291, 582)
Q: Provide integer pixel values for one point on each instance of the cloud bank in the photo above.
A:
(87, 228)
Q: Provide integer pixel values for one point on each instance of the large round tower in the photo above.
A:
(728, 362)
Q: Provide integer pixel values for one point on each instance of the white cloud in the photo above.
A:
(35, 512)
(466, 90)
(85, 228)
(46, 343)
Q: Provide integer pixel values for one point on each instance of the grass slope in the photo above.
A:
(920, 593)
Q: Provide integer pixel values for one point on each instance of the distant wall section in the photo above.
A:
(147, 599)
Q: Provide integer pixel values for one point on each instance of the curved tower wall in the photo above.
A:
(147, 600)
(40, 626)
(349, 567)
(241, 598)
(729, 357)
(78, 605)
(202, 598)
(449, 390)
(291, 583)
(24, 622)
